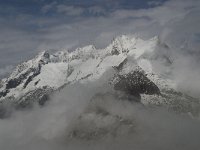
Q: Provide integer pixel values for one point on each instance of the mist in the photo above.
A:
(90, 115)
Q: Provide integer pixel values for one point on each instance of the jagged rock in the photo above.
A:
(136, 83)
(39, 96)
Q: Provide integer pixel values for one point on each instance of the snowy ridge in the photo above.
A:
(126, 55)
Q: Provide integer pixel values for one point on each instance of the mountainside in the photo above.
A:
(130, 64)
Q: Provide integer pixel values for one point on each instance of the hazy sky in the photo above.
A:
(29, 26)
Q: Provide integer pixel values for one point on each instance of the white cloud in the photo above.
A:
(97, 10)
(48, 7)
(154, 3)
(65, 9)
(49, 128)
(69, 10)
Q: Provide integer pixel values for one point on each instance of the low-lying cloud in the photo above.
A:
(89, 116)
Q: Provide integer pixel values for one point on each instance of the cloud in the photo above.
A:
(97, 10)
(154, 3)
(73, 10)
(46, 8)
(70, 10)
(124, 125)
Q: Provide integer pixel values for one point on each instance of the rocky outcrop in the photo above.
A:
(136, 83)
(40, 96)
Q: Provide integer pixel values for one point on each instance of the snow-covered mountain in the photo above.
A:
(130, 62)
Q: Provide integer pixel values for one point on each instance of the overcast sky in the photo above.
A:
(30, 26)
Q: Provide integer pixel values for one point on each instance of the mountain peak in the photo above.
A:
(128, 58)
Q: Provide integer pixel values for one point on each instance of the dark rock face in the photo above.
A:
(115, 51)
(3, 93)
(13, 83)
(120, 66)
(39, 96)
(30, 78)
(46, 55)
(37, 82)
(136, 83)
